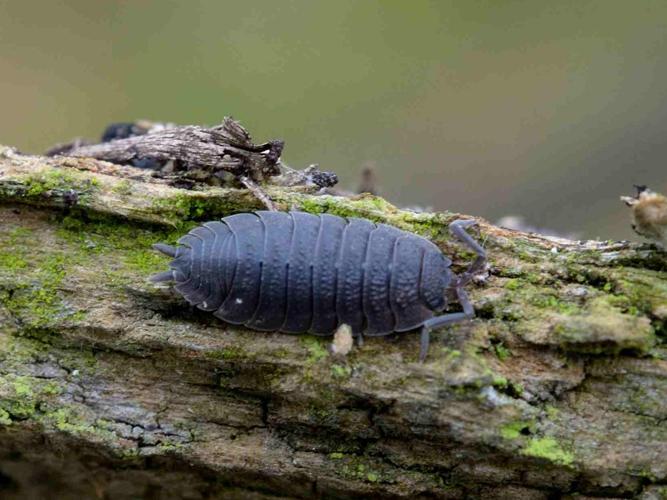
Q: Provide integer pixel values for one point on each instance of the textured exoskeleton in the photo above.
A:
(297, 272)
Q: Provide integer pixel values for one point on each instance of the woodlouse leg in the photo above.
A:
(446, 319)
(360, 340)
(458, 229)
(438, 321)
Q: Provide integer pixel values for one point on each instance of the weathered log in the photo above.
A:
(224, 148)
(113, 387)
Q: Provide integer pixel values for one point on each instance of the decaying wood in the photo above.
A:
(224, 148)
(199, 153)
(113, 387)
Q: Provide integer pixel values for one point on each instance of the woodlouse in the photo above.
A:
(296, 272)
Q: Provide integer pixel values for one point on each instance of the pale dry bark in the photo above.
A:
(113, 387)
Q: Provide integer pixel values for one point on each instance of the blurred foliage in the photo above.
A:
(491, 107)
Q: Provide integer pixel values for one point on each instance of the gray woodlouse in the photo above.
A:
(296, 272)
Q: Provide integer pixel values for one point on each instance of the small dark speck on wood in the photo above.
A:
(223, 148)
(309, 176)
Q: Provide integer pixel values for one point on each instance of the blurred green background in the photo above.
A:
(546, 109)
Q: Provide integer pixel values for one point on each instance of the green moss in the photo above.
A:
(315, 350)
(328, 206)
(431, 230)
(197, 205)
(228, 354)
(367, 206)
(169, 446)
(15, 254)
(16, 351)
(601, 327)
(19, 233)
(22, 387)
(51, 389)
(41, 304)
(322, 415)
(548, 448)
(130, 454)
(71, 421)
(122, 188)
(22, 397)
(515, 430)
(145, 261)
(38, 302)
(340, 371)
(451, 354)
(358, 206)
(336, 456)
(534, 278)
(11, 262)
(82, 360)
(552, 412)
(62, 418)
(41, 183)
(548, 301)
(513, 284)
(129, 247)
(516, 388)
(281, 353)
(502, 352)
(313, 206)
(355, 468)
(17, 397)
(4, 418)
(104, 235)
(646, 293)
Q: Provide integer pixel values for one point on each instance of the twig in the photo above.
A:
(258, 192)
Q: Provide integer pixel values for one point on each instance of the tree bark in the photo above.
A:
(113, 387)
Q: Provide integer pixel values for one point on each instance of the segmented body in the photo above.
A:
(297, 272)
